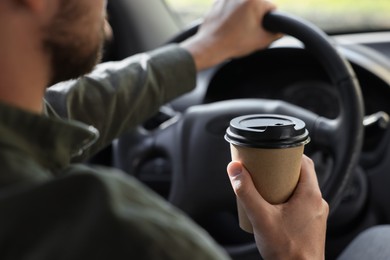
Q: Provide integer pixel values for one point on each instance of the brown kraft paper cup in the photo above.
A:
(273, 163)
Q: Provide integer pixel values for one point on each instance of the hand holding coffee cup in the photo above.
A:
(270, 147)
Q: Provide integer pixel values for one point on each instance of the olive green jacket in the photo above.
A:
(52, 206)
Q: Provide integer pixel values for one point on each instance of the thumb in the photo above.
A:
(244, 188)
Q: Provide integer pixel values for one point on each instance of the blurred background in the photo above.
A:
(333, 16)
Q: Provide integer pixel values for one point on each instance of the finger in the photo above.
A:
(264, 7)
(268, 5)
(308, 184)
(308, 189)
(244, 188)
(309, 175)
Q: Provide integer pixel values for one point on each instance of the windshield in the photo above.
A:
(333, 16)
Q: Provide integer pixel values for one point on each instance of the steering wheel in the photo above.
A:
(199, 154)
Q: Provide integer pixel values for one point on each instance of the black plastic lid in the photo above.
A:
(267, 131)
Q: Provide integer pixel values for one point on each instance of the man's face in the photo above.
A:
(74, 39)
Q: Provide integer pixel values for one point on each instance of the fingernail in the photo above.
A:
(234, 170)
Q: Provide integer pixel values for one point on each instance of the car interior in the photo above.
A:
(338, 84)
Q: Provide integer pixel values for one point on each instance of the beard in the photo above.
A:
(72, 53)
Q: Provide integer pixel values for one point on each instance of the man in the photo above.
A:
(53, 208)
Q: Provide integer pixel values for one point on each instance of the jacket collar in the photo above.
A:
(49, 140)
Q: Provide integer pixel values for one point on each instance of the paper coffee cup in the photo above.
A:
(270, 147)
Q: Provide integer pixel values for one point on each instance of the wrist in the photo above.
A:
(205, 54)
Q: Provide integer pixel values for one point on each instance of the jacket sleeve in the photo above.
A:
(119, 95)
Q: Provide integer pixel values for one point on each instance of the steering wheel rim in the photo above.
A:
(348, 125)
(343, 135)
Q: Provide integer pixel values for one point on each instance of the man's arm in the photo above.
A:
(119, 95)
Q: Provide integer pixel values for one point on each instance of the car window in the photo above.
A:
(333, 16)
